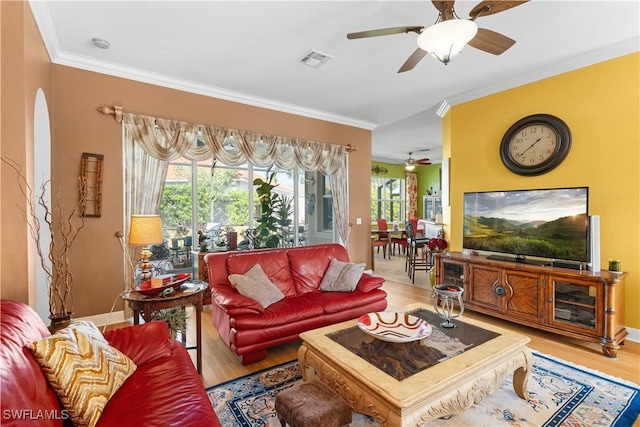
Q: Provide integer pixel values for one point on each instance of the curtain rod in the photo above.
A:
(117, 111)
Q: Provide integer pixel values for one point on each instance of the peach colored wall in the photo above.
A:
(96, 256)
(25, 68)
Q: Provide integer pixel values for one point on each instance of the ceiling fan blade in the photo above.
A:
(443, 5)
(383, 32)
(491, 42)
(489, 7)
(413, 60)
(425, 161)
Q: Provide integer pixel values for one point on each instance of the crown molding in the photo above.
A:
(42, 16)
(591, 57)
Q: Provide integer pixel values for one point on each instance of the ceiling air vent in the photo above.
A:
(315, 58)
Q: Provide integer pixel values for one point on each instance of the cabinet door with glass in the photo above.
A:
(575, 305)
(451, 272)
(431, 206)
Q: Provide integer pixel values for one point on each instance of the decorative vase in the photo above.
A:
(432, 275)
(59, 322)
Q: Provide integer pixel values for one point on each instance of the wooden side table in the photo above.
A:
(148, 304)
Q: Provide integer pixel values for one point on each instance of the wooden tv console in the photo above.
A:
(574, 303)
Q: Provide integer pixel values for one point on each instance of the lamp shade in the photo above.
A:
(446, 39)
(145, 230)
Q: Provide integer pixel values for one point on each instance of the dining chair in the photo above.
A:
(414, 260)
(383, 237)
(402, 242)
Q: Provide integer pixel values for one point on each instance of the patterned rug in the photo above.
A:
(561, 394)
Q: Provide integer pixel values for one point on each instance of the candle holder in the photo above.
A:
(446, 298)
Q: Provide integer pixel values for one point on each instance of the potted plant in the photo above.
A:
(284, 211)
(267, 228)
(63, 228)
(175, 318)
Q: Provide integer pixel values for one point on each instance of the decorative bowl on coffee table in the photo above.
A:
(394, 326)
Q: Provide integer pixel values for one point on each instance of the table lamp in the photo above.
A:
(145, 230)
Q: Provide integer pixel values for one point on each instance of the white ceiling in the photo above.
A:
(247, 51)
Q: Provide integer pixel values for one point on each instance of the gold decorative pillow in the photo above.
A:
(341, 276)
(256, 285)
(83, 369)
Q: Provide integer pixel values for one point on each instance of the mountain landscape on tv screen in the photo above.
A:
(562, 238)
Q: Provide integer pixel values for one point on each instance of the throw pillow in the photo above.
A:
(341, 276)
(256, 285)
(83, 369)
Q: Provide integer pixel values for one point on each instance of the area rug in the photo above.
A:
(561, 394)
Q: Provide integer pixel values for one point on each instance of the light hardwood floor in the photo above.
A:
(220, 365)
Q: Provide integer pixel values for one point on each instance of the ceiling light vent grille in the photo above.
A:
(315, 58)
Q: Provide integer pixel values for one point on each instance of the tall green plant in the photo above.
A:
(267, 228)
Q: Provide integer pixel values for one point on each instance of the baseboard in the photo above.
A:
(105, 318)
(634, 334)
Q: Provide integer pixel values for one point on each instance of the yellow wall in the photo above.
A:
(600, 104)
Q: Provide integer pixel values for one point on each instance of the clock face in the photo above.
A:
(533, 145)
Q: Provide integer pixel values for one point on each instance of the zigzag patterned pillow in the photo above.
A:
(83, 369)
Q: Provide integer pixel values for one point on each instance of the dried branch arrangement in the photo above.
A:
(63, 229)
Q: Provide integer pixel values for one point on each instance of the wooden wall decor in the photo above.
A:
(91, 173)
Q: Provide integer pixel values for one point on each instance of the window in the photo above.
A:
(326, 216)
(387, 199)
(211, 197)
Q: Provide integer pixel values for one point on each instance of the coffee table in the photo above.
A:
(409, 384)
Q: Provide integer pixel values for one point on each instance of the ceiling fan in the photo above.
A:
(411, 163)
(450, 33)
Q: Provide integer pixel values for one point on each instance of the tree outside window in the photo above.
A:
(387, 199)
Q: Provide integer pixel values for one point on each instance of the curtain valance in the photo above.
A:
(171, 139)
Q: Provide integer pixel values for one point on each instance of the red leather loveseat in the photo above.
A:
(165, 389)
(249, 329)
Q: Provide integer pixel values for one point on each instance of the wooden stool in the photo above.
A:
(312, 404)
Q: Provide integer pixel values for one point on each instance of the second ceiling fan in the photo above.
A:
(411, 163)
(450, 34)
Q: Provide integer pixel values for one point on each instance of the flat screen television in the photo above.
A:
(548, 223)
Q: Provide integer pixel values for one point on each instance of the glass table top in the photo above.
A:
(401, 360)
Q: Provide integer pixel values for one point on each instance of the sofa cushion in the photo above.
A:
(234, 304)
(309, 264)
(256, 285)
(22, 382)
(289, 310)
(341, 276)
(335, 302)
(83, 369)
(142, 343)
(163, 392)
(274, 263)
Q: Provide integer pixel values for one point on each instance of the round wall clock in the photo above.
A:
(535, 144)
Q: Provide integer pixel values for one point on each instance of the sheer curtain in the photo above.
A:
(144, 178)
(150, 143)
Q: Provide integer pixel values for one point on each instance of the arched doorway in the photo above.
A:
(42, 172)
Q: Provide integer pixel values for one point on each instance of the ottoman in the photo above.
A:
(312, 404)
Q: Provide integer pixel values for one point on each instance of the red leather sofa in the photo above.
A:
(165, 389)
(249, 329)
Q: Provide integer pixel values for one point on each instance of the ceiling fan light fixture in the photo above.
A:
(446, 39)
(409, 167)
